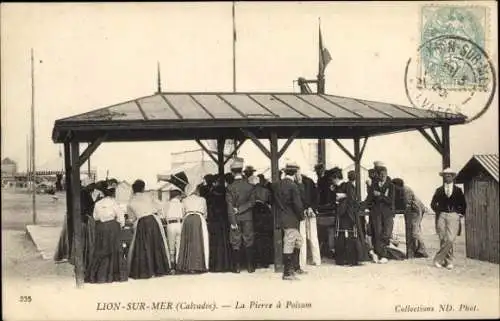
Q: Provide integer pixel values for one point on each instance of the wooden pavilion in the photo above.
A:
(240, 116)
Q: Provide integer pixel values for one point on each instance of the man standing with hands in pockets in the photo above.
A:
(240, 199)
(449, 205)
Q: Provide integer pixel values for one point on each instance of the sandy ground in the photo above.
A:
(371, 291)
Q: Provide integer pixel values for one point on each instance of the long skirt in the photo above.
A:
(364, 246)
(192, 256)
(220, 259)
(108, 263)
(347, 246)
(63, 251)
(89, 241)
(148, 252)
(263, 244)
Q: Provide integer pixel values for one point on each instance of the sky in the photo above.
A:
(89, 56)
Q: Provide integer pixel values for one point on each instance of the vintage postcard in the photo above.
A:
(250, 160)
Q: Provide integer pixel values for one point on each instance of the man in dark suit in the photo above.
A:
(240, 199)
(449, 205)
(308, 227)
(381, 198)
(322, 184)
(290, 210)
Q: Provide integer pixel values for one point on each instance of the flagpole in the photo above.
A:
(234, 48)
(321, 90)
(28, 157)
(33, 167)
(88, 164)
(158, 78)
(234, 60)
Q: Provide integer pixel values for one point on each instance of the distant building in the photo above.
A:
(480, 179)
(46, 173)
(9, 170)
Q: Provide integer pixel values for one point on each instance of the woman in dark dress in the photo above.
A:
(263, 223)
(107, 263)
(193, 256)
(64, 252)
(218, 229)
(148, 255)
(348, 244)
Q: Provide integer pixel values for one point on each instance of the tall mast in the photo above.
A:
(234, 142)
(234, 48)
(158, 78)
(88, 169)
(321, 90)
(33, 167)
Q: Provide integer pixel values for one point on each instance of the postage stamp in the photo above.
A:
(461, 78)
(435, 61)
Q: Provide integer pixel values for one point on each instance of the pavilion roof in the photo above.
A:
(208, 115)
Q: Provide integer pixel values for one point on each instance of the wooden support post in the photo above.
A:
(363, 148)
(75, 214)
(321, 157)
(209, 153)
(288, 143)
(278, 234)
(431, 141)
(345, 150)
(445, 131)
(91, 148)
(220, 158)
(436, 136)
(235, 151)
(69, 203)
(357, 166)
(256, 141)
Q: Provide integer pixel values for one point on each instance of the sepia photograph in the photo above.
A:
(250, 160)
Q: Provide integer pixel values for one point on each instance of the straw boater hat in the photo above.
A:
(378, 164)
(249, 169)
(448, 171)
(237, 163)
(291, 165)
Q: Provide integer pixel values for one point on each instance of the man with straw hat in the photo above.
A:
(290, 210)
(240, 199)
(449, 205)
(381, 199)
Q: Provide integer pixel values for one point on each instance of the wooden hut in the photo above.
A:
(480, 179)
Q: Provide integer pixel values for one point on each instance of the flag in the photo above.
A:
(324, 55)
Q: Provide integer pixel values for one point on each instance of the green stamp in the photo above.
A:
(435, 61)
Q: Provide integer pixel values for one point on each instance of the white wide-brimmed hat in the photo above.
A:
(447, 171)
(378, 164)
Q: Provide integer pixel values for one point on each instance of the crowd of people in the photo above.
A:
(228, 221)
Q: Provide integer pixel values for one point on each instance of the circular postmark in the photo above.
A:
(451, 74)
